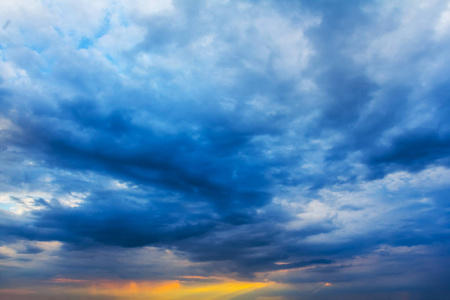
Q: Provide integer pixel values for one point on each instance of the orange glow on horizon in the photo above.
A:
(220, 289)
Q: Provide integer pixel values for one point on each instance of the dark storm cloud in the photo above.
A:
(413, 150)
(178, 162)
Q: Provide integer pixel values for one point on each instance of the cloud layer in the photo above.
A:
(295, 142)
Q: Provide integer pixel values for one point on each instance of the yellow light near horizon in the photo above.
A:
(220, 289)
(172, 289)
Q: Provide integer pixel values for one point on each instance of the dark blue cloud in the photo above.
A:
(413, 150)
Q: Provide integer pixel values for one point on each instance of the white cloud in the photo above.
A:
(443, 25)
(367, 207)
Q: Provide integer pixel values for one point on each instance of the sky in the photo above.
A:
(193, 149)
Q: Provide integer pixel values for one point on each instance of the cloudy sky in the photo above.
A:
(191, 149)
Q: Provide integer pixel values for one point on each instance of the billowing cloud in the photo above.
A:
(283, 149)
